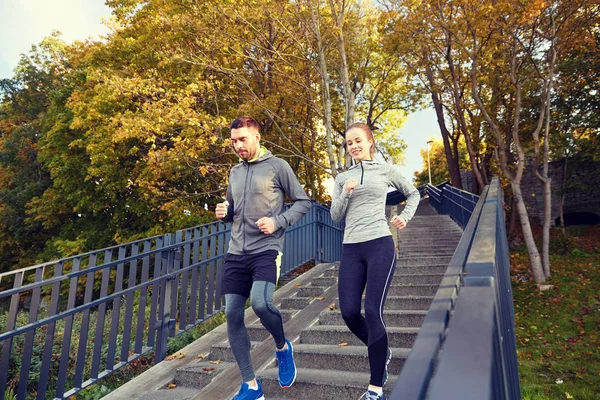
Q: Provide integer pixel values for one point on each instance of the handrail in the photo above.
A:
(471, 318)
(448, 200)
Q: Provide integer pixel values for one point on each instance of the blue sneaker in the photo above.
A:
(246, 393)
(371, 395)
(385, 371)
(287, 367)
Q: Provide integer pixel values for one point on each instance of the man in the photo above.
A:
(255, 204)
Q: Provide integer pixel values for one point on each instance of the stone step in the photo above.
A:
(424, 219)
(392, 318)
(257, 332)
(325, 281)
(423, 279)
(429, 241)
(419, 222)
(178, 393)
(312, 291)
(431, 225)
(344, 358)
(408, 302)
(425, 252)
(423, 260)
(295, 303)
(441, 234)
(399, 303)
(199, 374)
(336, 334)
(286, 315)
(427, 244)
(428, 249)
(430, 217)
(440, 237)
(420, 269)
(222, 352)
(318, 384)
(406, 270)
(413, 290)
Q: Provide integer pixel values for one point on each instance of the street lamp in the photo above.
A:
(429, 142)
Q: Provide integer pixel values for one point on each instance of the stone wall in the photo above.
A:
(582, 190)
(467, 179)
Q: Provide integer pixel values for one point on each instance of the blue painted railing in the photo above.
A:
(448, 200)
(74, 321)
(471, 317)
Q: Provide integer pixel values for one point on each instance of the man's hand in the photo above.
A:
(398, 222)
(266, 225)
(350, 185)
(221, 210)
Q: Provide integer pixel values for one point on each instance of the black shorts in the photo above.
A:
(240, 271)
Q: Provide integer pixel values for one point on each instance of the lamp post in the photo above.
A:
(429, 142)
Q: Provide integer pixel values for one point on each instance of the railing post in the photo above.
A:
(164, 313)
(317, 232)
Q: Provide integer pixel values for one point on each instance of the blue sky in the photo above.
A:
(25, 22)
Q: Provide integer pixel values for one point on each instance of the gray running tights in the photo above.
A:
(261, 300)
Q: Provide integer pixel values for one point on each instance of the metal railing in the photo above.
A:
(83, 317)
(448, 200)
(471, 318)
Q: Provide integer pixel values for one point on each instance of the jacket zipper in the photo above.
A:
(362, 173)
(244, 210)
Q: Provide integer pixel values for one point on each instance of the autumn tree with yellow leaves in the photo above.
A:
(490, 67)
(131, 134)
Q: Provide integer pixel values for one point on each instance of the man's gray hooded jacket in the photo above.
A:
(257, 189)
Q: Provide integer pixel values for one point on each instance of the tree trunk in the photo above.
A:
(453, 167)
(515, 178)
(325, 90)
(460, 116)
(543, 177)
(513, 218)
(547, 223)
(534, 255)
(547, 192)
(562, 197)
(338, 18)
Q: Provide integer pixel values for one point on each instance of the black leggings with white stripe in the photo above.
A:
(371, 263)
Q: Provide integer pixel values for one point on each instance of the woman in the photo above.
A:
(368, 252)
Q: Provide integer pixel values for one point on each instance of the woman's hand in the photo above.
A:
(398, 222)
(350, 185)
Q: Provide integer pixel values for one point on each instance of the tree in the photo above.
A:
(490, 66)
(129, 136)
(439, 167)
(22, 177)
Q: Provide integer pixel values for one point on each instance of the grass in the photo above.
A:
(558, 339)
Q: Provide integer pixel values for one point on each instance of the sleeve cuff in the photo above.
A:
(278, 223)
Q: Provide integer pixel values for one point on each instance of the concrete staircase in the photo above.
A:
(327, 369)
